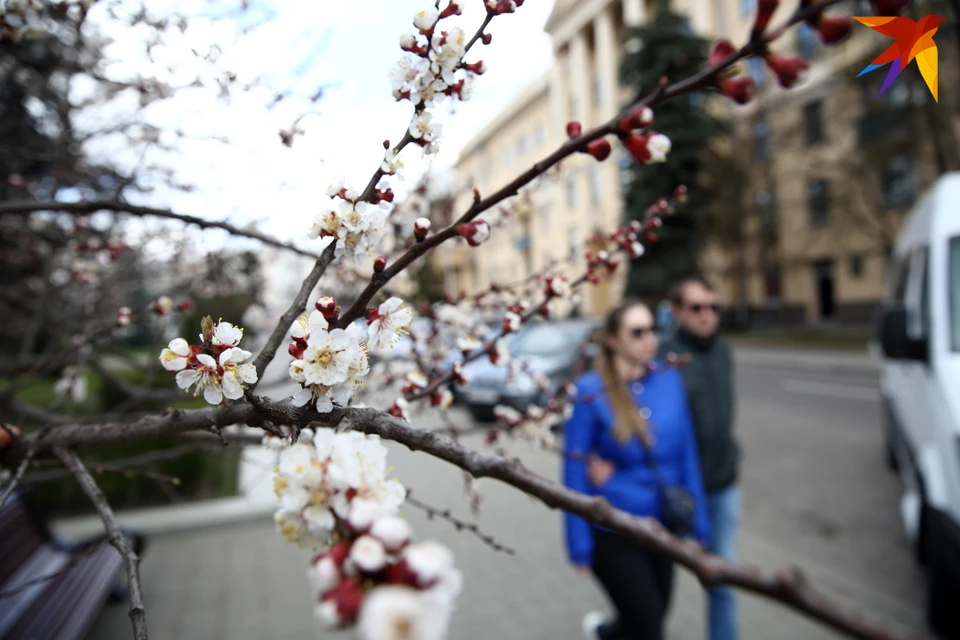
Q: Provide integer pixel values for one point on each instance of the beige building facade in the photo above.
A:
(787, 264)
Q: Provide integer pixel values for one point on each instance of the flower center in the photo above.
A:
(325, 357)
(403, 628)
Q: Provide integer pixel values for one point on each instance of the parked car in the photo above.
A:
(556, 350)
(918, 329)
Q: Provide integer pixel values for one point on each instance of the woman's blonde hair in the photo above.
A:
(627, 418)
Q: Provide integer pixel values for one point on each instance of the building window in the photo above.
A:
(813, 122)
(899, 183)
(807, 42)
(762, 142)
(571, 193)
(818, 200)
(771, 284)
(538, 135)
(856, 266)
(521, 146)
(594, 185)
(625, 172)
(747, 7)
(596, 90)
(767, 212)
(574, 240)
(756, 70)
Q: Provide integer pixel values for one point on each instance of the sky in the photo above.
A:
(347, 47)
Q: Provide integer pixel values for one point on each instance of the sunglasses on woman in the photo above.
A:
(698, 308)
(640, 332)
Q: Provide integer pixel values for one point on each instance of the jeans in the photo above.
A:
(638, 582)
(724, 507)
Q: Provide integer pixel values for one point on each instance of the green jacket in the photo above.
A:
(708, 378)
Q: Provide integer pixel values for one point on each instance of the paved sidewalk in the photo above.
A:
(809, 359)
(242, 582)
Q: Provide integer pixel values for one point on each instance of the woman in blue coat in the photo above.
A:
(628, 397)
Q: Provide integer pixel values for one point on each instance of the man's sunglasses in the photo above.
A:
(640, 332)
(697, 308)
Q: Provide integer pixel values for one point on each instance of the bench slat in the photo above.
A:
(44, 561)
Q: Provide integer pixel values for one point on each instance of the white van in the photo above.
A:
(918, 328)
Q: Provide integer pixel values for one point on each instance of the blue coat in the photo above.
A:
(632, 487)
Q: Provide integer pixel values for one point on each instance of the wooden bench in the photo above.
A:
(51, 590)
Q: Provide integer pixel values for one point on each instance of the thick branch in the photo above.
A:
(24, 207)
(787, 586)
(116, 536)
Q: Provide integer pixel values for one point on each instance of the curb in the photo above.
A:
(173, 519)
(826, 362)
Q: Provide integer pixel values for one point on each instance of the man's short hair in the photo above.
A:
(676, 293)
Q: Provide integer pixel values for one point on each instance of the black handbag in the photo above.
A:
(679, 507)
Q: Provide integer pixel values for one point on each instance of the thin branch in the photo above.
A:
(574, 145)
(459, 525)
(297, 307)
(24, 207)
(116, 536)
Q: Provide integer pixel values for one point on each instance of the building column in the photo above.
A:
(605, 59)
(558, 103)
(579, 89)
(634, 13)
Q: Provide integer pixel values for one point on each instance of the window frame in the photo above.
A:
(818, 218)
(813, 127)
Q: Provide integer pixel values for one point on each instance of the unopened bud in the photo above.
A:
(327, 306)
(379, 264)
(420, 228)
(600, 149)
(574, 129)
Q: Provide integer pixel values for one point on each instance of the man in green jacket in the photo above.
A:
(708, 378)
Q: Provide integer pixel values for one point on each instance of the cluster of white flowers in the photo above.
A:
(432, 70)
(358, 227)
(216, 368)
(334, 495)
(329, 364)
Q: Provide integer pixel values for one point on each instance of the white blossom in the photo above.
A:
(174, 357)
(324, 574)
(659, 146)
(335, 187)
(400, 613)
(71, 386)
(426, 18)
(389, 323)
(225, 334)
(393, 531)
(367, 554)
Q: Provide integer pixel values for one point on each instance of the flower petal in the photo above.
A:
(180, 347)
(187, 378)
(231, 386)
(212, 394)
(207, 361)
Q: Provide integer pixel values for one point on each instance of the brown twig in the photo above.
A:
(23, 207)
(117, 538)
(459, 525)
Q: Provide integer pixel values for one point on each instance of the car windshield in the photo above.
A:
(953, 281)
(548, 339)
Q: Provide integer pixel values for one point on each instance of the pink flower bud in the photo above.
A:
(721, 50)
(788, 70)
(162, 305)
(680, 193)
(185, 305)
(455, 8)
(574, 129)
(296, 349)
(399, 408)
(600, 149)
(475, 233)
(740, 90)
(486, 38)
(458, 375)
(347, 598)
(327, 306)
(401, 573)
(636, 144)
(479, 67)
(379, 264)
(123, 316)
(420, 228)
(511, 322)
(833, 30)
(408, 42)
(765, 9)
(637, 118)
